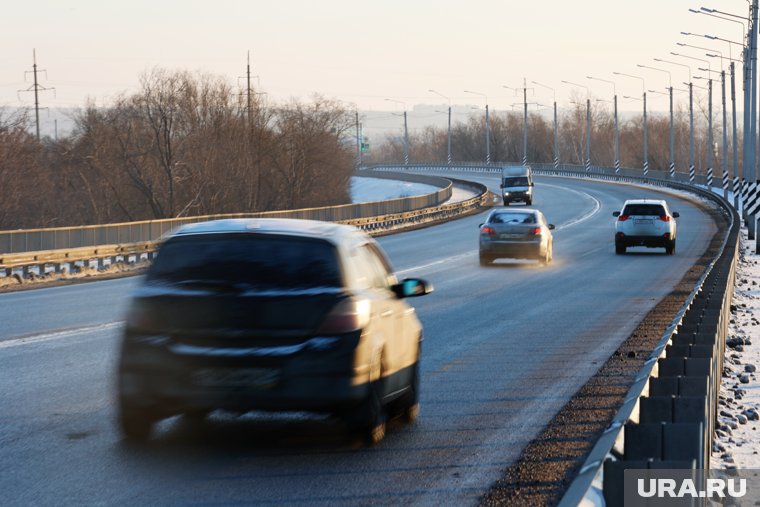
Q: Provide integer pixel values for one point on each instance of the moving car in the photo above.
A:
(516, 233)
(645, 222)
(517, 184)
(270, 314)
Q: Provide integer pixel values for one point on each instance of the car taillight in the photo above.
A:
(488, 230)
(623, 218)
(665, 218)
(141, 318)
(537, 231)
(348, 315)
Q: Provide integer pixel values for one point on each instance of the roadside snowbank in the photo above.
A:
(737, 440)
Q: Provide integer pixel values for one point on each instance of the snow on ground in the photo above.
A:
(365, 189)
(737, 440)
(375, 189)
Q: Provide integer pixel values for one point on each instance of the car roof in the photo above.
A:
(333, 232)
(514, 210)
(645, 201)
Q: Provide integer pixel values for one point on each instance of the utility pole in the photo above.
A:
(36, 88)
(359, 142)
(525, 123)
(249, 91)
(248, 87)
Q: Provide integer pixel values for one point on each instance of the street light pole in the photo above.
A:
(672, 165)
(406, 132)
(724, 161)
(556, 130)
(691, 117)
(448, 149)
(644, 98)
(587, 162)
(488, 128)
(525, 123)
(616, 143)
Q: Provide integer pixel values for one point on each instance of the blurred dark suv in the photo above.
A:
(270, 314)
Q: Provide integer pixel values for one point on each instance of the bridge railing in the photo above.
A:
(106, 244)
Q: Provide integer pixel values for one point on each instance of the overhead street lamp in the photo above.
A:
(556, 131)
(724, 161)
(709, 116)
(672, 165)
(749, 52)
(615, 106)
(644, 99)
(406, 132)
(488, 127)
(692, 172)
(448, 150)
(525, 119)
(587, 162)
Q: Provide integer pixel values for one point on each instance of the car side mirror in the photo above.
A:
(676, 214)
(480, 225)
(615, 213)
(551, 227)
(412, 287)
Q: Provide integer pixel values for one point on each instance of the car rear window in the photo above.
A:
(253, 261)
(513, 218)
(644, 209)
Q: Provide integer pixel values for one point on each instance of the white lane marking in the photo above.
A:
(57, 335)
(439, 261)
(597, 207)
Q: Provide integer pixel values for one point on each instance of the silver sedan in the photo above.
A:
(517, 234)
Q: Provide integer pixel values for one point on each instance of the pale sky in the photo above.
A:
(360, 51)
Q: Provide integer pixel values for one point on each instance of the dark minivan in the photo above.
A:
(270, 314)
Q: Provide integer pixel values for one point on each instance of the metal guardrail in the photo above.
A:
(32, 240)
(670, 412)
(374, 225)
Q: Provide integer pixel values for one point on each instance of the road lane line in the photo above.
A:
(597, 207)
(57, 335)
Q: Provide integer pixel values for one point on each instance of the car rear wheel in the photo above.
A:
(506, 202)
(548, 255)
(619, 248)
(670, 249)
(485, 260)
(529, 202)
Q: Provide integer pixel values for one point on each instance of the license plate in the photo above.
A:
(258, 378)
(643, 221)
(510, 236)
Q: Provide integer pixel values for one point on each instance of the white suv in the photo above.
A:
(645, 222)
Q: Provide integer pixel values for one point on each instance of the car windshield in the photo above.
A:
(247, 261)
(521, 181)
(513, 218)
(644, 209)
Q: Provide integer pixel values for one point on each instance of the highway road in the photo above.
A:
(505, 347)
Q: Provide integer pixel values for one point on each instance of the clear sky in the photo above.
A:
(358, 51)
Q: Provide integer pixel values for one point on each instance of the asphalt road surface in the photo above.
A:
(505, 347)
